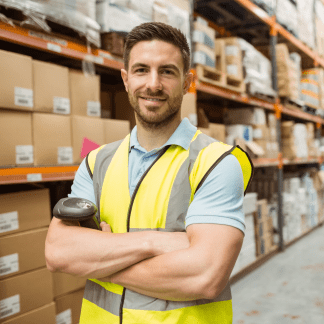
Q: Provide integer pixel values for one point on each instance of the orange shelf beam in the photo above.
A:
(59, 46)
(263, 162)
(37, 174)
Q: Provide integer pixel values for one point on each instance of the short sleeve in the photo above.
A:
(220, 198)
(82, 186)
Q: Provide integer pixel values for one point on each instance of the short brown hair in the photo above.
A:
(159, 31)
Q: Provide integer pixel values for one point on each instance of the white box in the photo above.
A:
(238, 131)
(249, 203)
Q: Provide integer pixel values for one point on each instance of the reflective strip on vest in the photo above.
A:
(161, 204)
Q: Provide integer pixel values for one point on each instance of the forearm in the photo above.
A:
(91, 253)
(174, 276)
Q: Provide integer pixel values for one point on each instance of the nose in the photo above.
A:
(153, 82)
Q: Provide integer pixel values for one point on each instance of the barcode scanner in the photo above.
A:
(77, 209)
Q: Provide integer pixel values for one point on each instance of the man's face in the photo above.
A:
(155, 82)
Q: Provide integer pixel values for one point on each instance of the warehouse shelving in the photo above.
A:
(61, 46)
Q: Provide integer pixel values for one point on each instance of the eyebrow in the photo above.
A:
(166, 66)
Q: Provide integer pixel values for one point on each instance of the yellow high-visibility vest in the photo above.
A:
(159, 203)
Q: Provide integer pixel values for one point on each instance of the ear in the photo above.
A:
(124, 76)
(188, 79)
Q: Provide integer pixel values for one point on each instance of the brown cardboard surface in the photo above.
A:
(262, 211)
(29, 246)
(239, 116)
(16, 71)
(189, 108)
(218, 131)
(83, 89)
(51, 132)
(34, 289)
(15, 129)
(287, 129)
(33, 209)
(50, 81)
(115, 130)
(64, 283)
(205, 49)
(261, 132)
(45, 314)
(71, 301)
(123, 109)
(85, 127)
(205, 131)
(106, 96)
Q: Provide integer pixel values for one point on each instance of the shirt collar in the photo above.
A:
(182, 136)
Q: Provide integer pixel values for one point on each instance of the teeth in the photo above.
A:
(153, 99)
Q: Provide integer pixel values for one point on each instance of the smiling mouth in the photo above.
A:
(153, 99)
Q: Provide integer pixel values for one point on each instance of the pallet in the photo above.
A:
(292, 103)
(310, 110)
(213, 76)
(258, 94)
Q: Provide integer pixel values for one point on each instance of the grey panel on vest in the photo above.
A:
(102, 163)
(103, 298)
(134, 300)
(181, 189)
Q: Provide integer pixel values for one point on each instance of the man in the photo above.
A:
(169, 199)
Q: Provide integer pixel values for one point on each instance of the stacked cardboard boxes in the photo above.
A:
(310, 90)
(263, 228)
(287, 74)
(26, 289)
(203, 38)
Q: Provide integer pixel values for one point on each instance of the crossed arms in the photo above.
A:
(172, 266)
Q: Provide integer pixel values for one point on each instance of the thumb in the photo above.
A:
(105, 227)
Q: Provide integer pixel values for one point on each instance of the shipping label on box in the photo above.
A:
(61, 105)
(24, 97)
(9, 264)
(9, 222)
(9, 306)
(24, 154)
(64, 155)
(93, 108)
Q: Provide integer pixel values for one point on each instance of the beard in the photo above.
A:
(159, 120)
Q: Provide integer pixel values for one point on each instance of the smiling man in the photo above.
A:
(170, 203)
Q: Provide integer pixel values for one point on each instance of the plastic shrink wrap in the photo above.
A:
(124, 15)
(287, 16)
(306, 32)
(267, 5)
(257, 70)
(79, 15)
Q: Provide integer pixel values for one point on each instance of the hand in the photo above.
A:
(105, 227)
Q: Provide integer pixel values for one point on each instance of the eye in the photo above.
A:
(140, 70)
(168, 72)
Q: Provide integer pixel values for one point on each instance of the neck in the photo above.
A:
(151, 138)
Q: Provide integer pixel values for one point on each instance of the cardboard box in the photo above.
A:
(51, 88)
(16, 135)
(287, 129)
(115, 130)
(261, 132)
(123, 109)
(189, 108)
(84, 94)
(234, 132)
(89, 128)
(246, 116)
(203, 54)
(106, 96)
(262, 211)
(218, 131)
(44, 314)
(68, 307)
(16, 84)
(205, 131)
(22, 252)
(52, 139)
(25, 210)
(234, 59)
(202, 118)
(264, 244)
(23, 293)
(203, 33)
(64, 283)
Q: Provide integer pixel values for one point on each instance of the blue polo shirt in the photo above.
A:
(218, 201)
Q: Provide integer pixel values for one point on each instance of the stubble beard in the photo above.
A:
(161, 120)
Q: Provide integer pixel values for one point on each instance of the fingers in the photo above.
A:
(105, 227)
